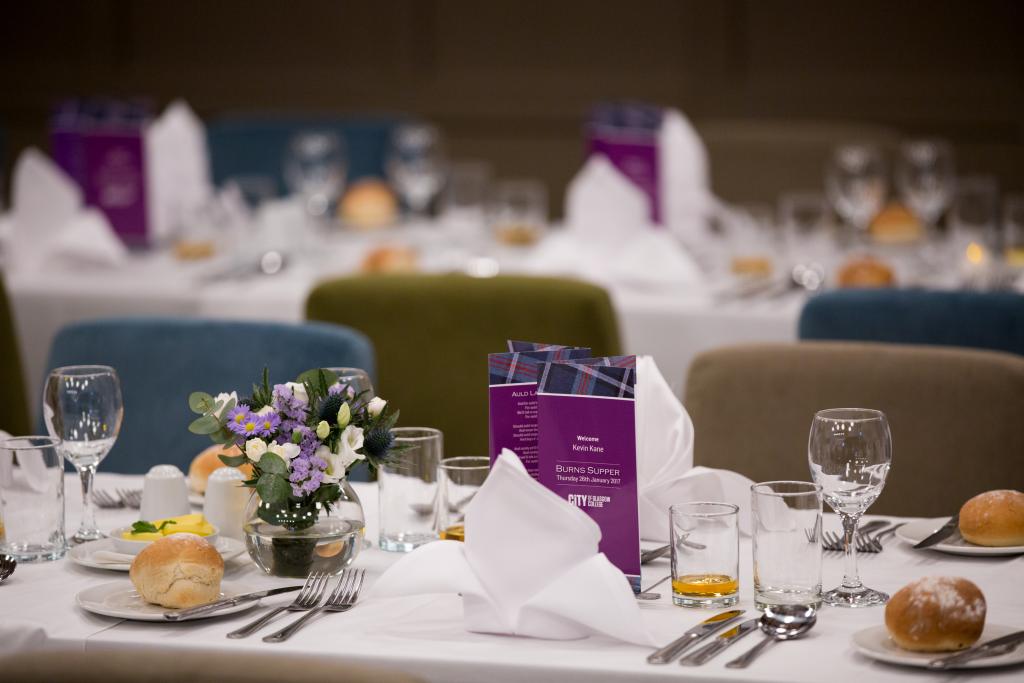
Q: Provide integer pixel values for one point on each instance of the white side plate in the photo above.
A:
(915, 532)
(229, 548)
(119, 599)
(875, 643)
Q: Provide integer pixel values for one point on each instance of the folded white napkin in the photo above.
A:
(177, 169)
(683, 178)
(602, 204)
(110, 557)
(50, 222)
(529, 566)
(665, 471)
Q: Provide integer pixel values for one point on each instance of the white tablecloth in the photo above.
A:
(424, 635)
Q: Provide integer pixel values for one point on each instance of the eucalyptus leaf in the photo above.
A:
(273, 488)
(200, 402)
(274, 464)
(312, 377)
(327, 494)
(207, 424)
(233, 460)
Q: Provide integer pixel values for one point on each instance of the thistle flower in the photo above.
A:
(378, 442)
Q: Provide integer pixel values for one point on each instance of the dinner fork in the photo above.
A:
(342, 600)
(308, 598)
(105, 500)
(131, 497)
(833, 542)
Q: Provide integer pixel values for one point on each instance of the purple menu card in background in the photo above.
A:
(627, 134)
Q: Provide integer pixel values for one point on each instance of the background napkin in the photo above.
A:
(49, 221)
(665, 471)
(529, 566)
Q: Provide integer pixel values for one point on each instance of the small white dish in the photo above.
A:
(917, 531)
(875, 643)
(130, 547)
(91, 554)
(119, 599)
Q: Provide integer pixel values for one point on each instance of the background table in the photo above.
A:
(424, 635)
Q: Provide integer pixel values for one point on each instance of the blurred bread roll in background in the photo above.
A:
(181, 570)
(994, 518)
(865, 271)
(936, 614)
(209, 460)
(369, 204)
(895, 224)
(391, 259)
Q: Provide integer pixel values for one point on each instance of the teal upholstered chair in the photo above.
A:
(983, 320)
(256, 144)
(162, 360)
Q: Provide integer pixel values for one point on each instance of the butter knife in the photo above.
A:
(178, 615)
(720, 643)
(983, 650)
(694, 635)
(947, 530)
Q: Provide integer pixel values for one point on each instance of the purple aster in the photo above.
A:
(336, 389)
(267, 423)
(245, 425)
(237, 415)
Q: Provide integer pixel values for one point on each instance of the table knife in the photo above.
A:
(178, 615)
(947, 530)
(983, 650)
(720, 643)
(694, 635)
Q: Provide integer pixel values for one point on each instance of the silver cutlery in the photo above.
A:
(944, 532)
(833, 542)
(648, 593)
(309, 597)
(341, 600)
(178, 615)
(654, 553)
(998, 646)
(131, 497)
(779, 622)
(696, 634)
(7, 566)
(730, 637)
(106, 501)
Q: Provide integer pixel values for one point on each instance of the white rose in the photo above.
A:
(375, 406)
(287, 451)
(337, 463)
(223, 399)
(299, 391)
(255, 448)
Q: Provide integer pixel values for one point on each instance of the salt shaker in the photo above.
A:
(164, 493)
(225, 501)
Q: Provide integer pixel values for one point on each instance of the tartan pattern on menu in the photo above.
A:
(581, 378)
(525, 366)
(612, 361)
(515, 346)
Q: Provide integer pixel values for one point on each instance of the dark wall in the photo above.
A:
(770, 84)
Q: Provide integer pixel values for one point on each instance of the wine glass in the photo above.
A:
(82, 407)
(850, 452)
(925, 176)
(416, 165)
(856, 183)
(315, 169)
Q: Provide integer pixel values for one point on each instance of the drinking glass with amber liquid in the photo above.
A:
(458, 479)
(705, 554)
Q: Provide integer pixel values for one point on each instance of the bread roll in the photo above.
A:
(369, 204)
(895, 224)
(866, 272)
(994, 518)
(936, 614)
(181, 570)
(206, 462)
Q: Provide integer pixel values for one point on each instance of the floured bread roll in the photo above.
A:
(936, 614)
(181, 570)
(994, 518)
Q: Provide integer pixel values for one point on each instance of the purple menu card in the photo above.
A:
(586, 422)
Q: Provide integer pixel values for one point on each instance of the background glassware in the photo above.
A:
(464, 201)
(458, 481)
(850, 452)
(416, 166)
(315, 168)
(705, 554)
(804, 221)
(358, 380)
(786, 517)
(519, 213)
(408, 489)
(32, 499)
(973, 236)
(82, 407)
(1013, 230)
(856, 184)
(925, 178)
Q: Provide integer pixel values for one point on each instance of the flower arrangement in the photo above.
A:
(301, 437)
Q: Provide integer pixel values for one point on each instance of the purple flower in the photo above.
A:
(335, 389)
(267, 423)
(286, 403)
(245, 424)
(238, 415)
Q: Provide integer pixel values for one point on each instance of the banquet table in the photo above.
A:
(423, 635)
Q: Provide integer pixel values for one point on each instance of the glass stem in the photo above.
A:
(850, 578)
(88, 523)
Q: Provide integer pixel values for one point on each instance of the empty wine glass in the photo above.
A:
(315, 169)
(856, 183)
(416, 165)
(82, 406)
(925, 176)
(850, 452)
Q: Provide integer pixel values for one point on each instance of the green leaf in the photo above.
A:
(233, 460)
(273, 488)
(200, 402)
(207, 424)
(224, 436)
(142, 527)
(327, 494)
(274, 464)
(313, 376)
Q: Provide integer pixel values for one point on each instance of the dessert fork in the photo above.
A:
(105, 500)
(342, 600)
(308, 598)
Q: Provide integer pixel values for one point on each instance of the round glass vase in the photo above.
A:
(305, 539)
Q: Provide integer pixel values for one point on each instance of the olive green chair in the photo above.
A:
(955, 414)
(432, 334)
(13, 408)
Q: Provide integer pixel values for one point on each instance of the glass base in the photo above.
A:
(404, 543)
(86, 535)
(855, 597)
(763, 599)
(33, 552)
(690, 601)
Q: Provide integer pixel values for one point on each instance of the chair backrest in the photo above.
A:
(256, 144)
(432, 334)
(160, 361)
(984, 320)
(13, 409)
(955, 414)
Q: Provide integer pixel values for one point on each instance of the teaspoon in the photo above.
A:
(7, 565)
(779, 622)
